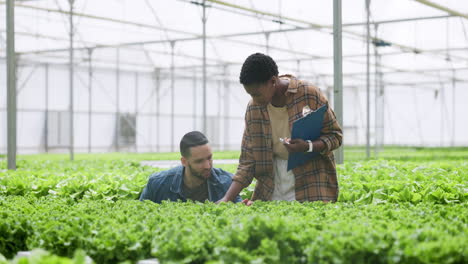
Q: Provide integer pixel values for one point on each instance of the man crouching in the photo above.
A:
(195, 179)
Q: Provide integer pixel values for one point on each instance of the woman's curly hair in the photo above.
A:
(258, 68)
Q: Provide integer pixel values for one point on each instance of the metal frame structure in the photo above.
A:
(293, 24)
(338, 70)
(11, 85)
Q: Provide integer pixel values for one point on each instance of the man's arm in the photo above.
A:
(246, 169)
(150, 190)
(145, 194)
(232, 192)
(238, 199)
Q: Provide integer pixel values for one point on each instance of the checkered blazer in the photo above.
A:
(315, 180)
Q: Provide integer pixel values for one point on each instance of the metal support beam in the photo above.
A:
(442, 8)
(367, 81)
(382, 102)
(157, 74)
(227, 99)
(454, 86)
(278, 16)
(411, 19)
(265, 15)
(11, 85)
(117, 101)
(338, 71)
(376, 105)
(72, 32)
(194, 95)
(216, 127)
(88, 16)
(46, 105)
(136, 110)
(204, 68)
(318, 27)
(90, 97)
(379, 105)
(442, 116)
(298, 68)
(172, 97)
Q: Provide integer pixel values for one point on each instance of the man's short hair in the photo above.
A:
(191, 139)
(258, 68)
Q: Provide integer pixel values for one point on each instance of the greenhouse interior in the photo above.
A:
(96, 98)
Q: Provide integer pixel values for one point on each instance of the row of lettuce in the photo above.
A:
(368, 182)
(40, 256)
(388, 212)
(274, 232)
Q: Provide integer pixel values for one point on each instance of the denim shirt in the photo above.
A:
(167, 185)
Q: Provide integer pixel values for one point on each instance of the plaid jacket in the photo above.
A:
(315, 180)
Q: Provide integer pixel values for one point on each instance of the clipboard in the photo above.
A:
(306, 128)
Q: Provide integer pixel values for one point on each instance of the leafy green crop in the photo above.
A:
(274, 232)
(352, 153)
(39, 256)
(375, 181)
(382, 181)
(86, 179)
(405, 209)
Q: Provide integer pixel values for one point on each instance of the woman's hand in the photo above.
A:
(296, 145)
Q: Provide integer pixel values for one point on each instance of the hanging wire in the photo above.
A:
(65, 21)
(290, 46)
(257, 16)
(447, 37)
(158, 20)
(209, 41)
(464, 30)
(79, 18)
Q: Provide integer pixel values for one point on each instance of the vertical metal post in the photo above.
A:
(226, 108)
(367, 80)
(11, 85)
(217, 127)
(172, 96)
(329, 93)
(382, 95)
(46, 118)
(158, 105)
(150, 128)
(267, 42)
(204, 67)
(117, 101)
(338, 71)
(72, 139)
(442, 105)
(356, 99)
(136, 110)
(298, 69)
(376, 95)
(90, 97)
(454, 84)
(194, 112)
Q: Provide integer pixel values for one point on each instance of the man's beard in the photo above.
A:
(197, 174)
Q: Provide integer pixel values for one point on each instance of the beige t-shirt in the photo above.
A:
(279, 128)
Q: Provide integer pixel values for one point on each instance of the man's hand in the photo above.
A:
(222, 200)
(297, 145)
(247, 202)
(231, 193)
